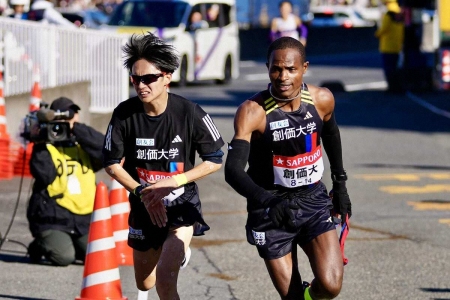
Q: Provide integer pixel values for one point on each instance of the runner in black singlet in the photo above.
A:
(278, 132)
(157, 135)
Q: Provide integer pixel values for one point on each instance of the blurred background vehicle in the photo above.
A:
(91, 18)
(338, 16)
(209, 52)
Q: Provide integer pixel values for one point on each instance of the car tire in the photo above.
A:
(183, 72)
(227, 72)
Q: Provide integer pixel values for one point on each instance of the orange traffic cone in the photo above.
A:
(36, 95)
(3, 130)
(22, 163)
(6, 163)
(120, 210)
(101, 278)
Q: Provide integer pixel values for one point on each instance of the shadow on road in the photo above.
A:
(369, 109)
(403, 166)
(15, 258)
(378, 109)
(20, 297)
(355, 60)
(436, 290)
(365, 108)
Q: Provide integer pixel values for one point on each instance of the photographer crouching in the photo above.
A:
(66, 154)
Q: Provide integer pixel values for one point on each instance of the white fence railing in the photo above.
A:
(62, 56)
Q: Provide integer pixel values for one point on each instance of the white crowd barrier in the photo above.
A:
(62, 56)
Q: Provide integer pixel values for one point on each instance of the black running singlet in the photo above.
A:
(288, 154)
(158, 147)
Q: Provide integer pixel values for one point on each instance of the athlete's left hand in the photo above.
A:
(157, 213)
(341, 200)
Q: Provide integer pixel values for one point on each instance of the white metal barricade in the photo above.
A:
(62, 56)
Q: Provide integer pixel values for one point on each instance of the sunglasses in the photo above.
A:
(145, 79)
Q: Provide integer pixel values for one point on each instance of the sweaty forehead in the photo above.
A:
(287, 56)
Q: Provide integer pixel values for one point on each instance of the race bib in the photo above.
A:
(300, 170)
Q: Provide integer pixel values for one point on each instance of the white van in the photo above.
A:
(209, 49)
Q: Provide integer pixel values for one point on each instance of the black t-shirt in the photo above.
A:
(162, 146)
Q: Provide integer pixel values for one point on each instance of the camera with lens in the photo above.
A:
(47, 125)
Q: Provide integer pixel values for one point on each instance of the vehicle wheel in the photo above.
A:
(227, 72)
(183, 72)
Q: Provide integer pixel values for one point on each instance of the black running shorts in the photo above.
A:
(143, 235)
(312, 219)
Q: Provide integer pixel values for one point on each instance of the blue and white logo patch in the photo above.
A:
(145, 142)
(259, 237)
(279, 124)
(135, 234)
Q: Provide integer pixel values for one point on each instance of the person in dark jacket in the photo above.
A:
(62, 200)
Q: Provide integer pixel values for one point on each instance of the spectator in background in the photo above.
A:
(197, 21)
(18, 7)
(391, 36)
(213, 15)
(62, 201)
(44, 11)
(107, 6)
(4, 9)
(288, 24)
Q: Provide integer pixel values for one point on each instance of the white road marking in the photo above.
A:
(219, 110)
(379, 85)
(248, 64)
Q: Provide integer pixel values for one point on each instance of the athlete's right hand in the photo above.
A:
(157, 212)
(280, 212)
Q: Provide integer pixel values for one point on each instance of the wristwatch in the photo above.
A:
(137, 191)
(339, 177)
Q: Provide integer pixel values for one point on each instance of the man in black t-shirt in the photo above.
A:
(150, 148)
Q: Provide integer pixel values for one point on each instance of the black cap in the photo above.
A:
(64, 104)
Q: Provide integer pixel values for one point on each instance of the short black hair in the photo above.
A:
(286, 42)
(149, 47)
(284, 1)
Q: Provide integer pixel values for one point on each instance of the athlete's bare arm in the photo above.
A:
(153, 194)
(250, 117)
(118, 173)
(323, 100)
(160, 189)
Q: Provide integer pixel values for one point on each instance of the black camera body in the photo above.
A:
(46, 125)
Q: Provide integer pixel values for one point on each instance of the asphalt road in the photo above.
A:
(396, 152)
